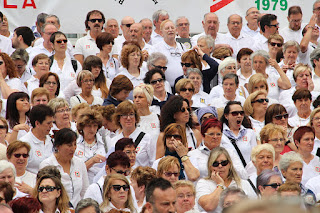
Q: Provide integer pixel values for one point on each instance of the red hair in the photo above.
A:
(209, 123)
(25, 205)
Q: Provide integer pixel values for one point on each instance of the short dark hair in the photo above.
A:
(26, 33)
(150, 73)
(103, 39)
(64, 136)
(301, 131)
(118, 158)
(39, 113)
(159, 183)
(293, 10)
(93, 12)
(119, 83)
(123, 143)
(55, 34)
(301, 94)
(246, 122)
(242, 52)
(7, 190)
(266, 21)
(45, 77)
(92, 61)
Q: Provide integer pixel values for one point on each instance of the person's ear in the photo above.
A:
(37, 123)
(148, 207)
(108, 170)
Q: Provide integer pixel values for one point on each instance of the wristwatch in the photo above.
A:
(184, 158)
(221, 186)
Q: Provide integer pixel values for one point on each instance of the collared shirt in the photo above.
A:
(217, 40)
(296, 121)
(40, 150)
(243, 41)
(256, 126)
(311, 169)
(245, 29)
(155, 38)
(111, 69)
(86, 46)
(75, 183)
(261, 43)
(70, 49)
(221, 102)
(6, 45)
(217, 92)
(77, 99)
(134, 80)
(150, 124)
(243, 80)
(200, 99)
(36, 51)
(32, 84)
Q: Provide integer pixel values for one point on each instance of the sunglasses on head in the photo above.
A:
(96, 19)
(156, 81)
(3, 127)
(160, 67)
(273, 185)
(125, 173)
(223, 163)
(236, 113)
(186, 64)
(279, 117)
(169, 174)
(176, 137)
(275, 44)
(19, 155)
(118, 187)
(185, 89)
(60, 41)
(47, 188)
(261, 100)
(184, 109)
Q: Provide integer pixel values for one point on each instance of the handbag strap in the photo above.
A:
(253, 187)
(139, 138)
(233, 141)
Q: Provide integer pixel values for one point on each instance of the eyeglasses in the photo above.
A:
(156, 81)
(279, 117)
(176, 137)
(131, 115)
(316, 9)
(19, 155)
(169, 174)
(127, 25)
(3, 126)
(88, 81)
(274, 25)
(47, 188)
(277, 139)
(118, 187)
(60, 41)
(94, 20)
(275, 44)
(273, 185)
(1, 62)
(187, 64)
(125, 173)
(261, 100)
(236, 113)
(213, 134)
(184, 109)
(223, 163)
(296, 21)
(160, 67)
(185, 89)
(63, 110)
(50, 83)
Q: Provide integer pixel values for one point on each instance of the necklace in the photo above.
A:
(90, 145)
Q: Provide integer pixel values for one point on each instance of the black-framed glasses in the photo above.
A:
(94, 20)
(131, 115)
(273, 25)
(236, 113)
(47, 188)
(176, 137)
(1, 62)
(186, 64)
(169, 174)
(19, 155)
(275, 44)
(279, 117)
(50, 83)
(3, 126)
(273, 185)
(63, 40)
(118, 187)
(184, 109)
(127, 25)
(261, 100)
(63, 110)
(159, 80)
(160, 67)
(185, 89)
(125, 173)
(223, 163)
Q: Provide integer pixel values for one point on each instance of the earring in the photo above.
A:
(109, 198)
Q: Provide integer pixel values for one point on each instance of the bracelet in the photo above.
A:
(221, 186)
(184, 158)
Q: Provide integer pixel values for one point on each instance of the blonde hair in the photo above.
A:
(270, 129)
(259, 148)
(82, 75)
(164, 23)
(145, 89)
(182, 83)
(301, 68)
(255, 79)
(166, 163)
(247, 106)
(313, 113)
(184, 183)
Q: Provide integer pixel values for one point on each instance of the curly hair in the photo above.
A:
(143, 175)
(125, 107)
(130, 47)
(88, 117)
(10, 67)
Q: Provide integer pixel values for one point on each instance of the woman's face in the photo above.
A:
(42, 67)
(316, 121)
(302, 79)
(170, 138)
(274, 46)
(245, 62)
(259, 87)
(183, 115)
(230, 68)
(196, 80)
(160, 64)
(187, 92)
(185, 199)
(202, 44)
(229, 87)
(260, 107)
(128, 121)
(122, 95)
(223, 171)
(281, 119)
(212, 137)
(90, 131)
(62, 115)
(277, 140)
(19, 158)
(131, 152)
(95, 71)
(107, 47)
(169, 31)
(3, 131)
(259, 64)
(187, 63)
(235, 116)
(7, 176)
(3, 68)
(60, 43)
(47, 197)
(290, 55)
(40, 99)
(306, 142)
(134, 59)
(268, 191)
(87, 84)
(157, 82)
(23, 104)
(172, 174)
(264, 160)
(294, 172)
(51, 85)
(67, 150)
(118, 198)
(140, 100)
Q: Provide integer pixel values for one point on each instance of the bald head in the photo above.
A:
(235, 25)
(112, 27)
(126, 23)
(210, 24)
(136, 32)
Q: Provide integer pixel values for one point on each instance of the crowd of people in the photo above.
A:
(157, 120)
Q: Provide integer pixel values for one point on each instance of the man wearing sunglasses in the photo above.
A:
(86, 45)
(293, 32)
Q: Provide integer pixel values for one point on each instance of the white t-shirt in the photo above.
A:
(150, 124)
(310, 170)
(200, 99)
(28, 178)
(77, 99)
(221, 102)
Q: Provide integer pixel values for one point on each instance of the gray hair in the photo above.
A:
(317, 1)
(158, 13)
(288, 158)
(264, 177)
(209, 40)
(232, 191)
(87, 202)
(194, 70)
(259, 148)
(41, 18)
(20, 54)
(56, 103)
(262, 53)
(4, 164)
(44, 26)
(155, 57)
(180, 17)
(231, 76)
(290, 44)
(315, 55)
(205, 15)
(232, 15)
(51, 15)
(226, 62)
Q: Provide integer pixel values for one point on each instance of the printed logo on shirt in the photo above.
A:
(272, 84)
(111, 64)
(38, 153)
(80, 153)
(73, 75)
(241, 93)
(245, 138)
(153, 125)
(317, 169)
(77, 174)
(137, 149)
(202, 100)
(87, 46)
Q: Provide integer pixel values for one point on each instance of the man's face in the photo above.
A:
(295, 21)
(211, 24)
(54, 21)
(183, 28)
(316, 10)
(125, 26)
(136, 32)
(252, 15)
(164, 201)
(45, 126)
(273, 27)
(112, 27)
(95, 22)
(235, 25)
(15, 41)
(147, 29)
(161, 19)
(48, 31)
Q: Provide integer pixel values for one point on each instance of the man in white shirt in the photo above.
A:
(22, 38)
(146, 30)
(112, 27)
(158, 17)
(294, 30)
(86, 45)
(183, 31)
(251, 28)
(5, 43)
(136, 35)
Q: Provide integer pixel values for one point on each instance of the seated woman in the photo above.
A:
(25, 204)
(3, 132)
(314, 121)
(204, 113)
(73, 170)
(186, 195)
(18, 154)
(231, 196)
(120, 88)
(221, 174)
(117, 194)
(268, 182)
(85, 80)
(140, 178)
(169, 169)
(199, 98)
(175, 144)
(51, 82)
(78, 110)
(39, 96)
(275, 42)
(185, 88)
(245, 71)
(302, 100)
(109, 129)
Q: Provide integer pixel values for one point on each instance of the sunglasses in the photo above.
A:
(127, 25)
(118, 187)
(185, 89)
(176, 137)
(261, 100)
(169, 174)
(60, 41)
(273, 185)
(156, 81)
(186, 64)
(125, 173)
(94, 20)
(275, 44)
(236, 113)
(1, 62)
(47, 188)
(279, 117)
(274, 25)
(184, 109)
(223, 163)
(3, 127)
(110, 42)
(19, 155)
(160, 67)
